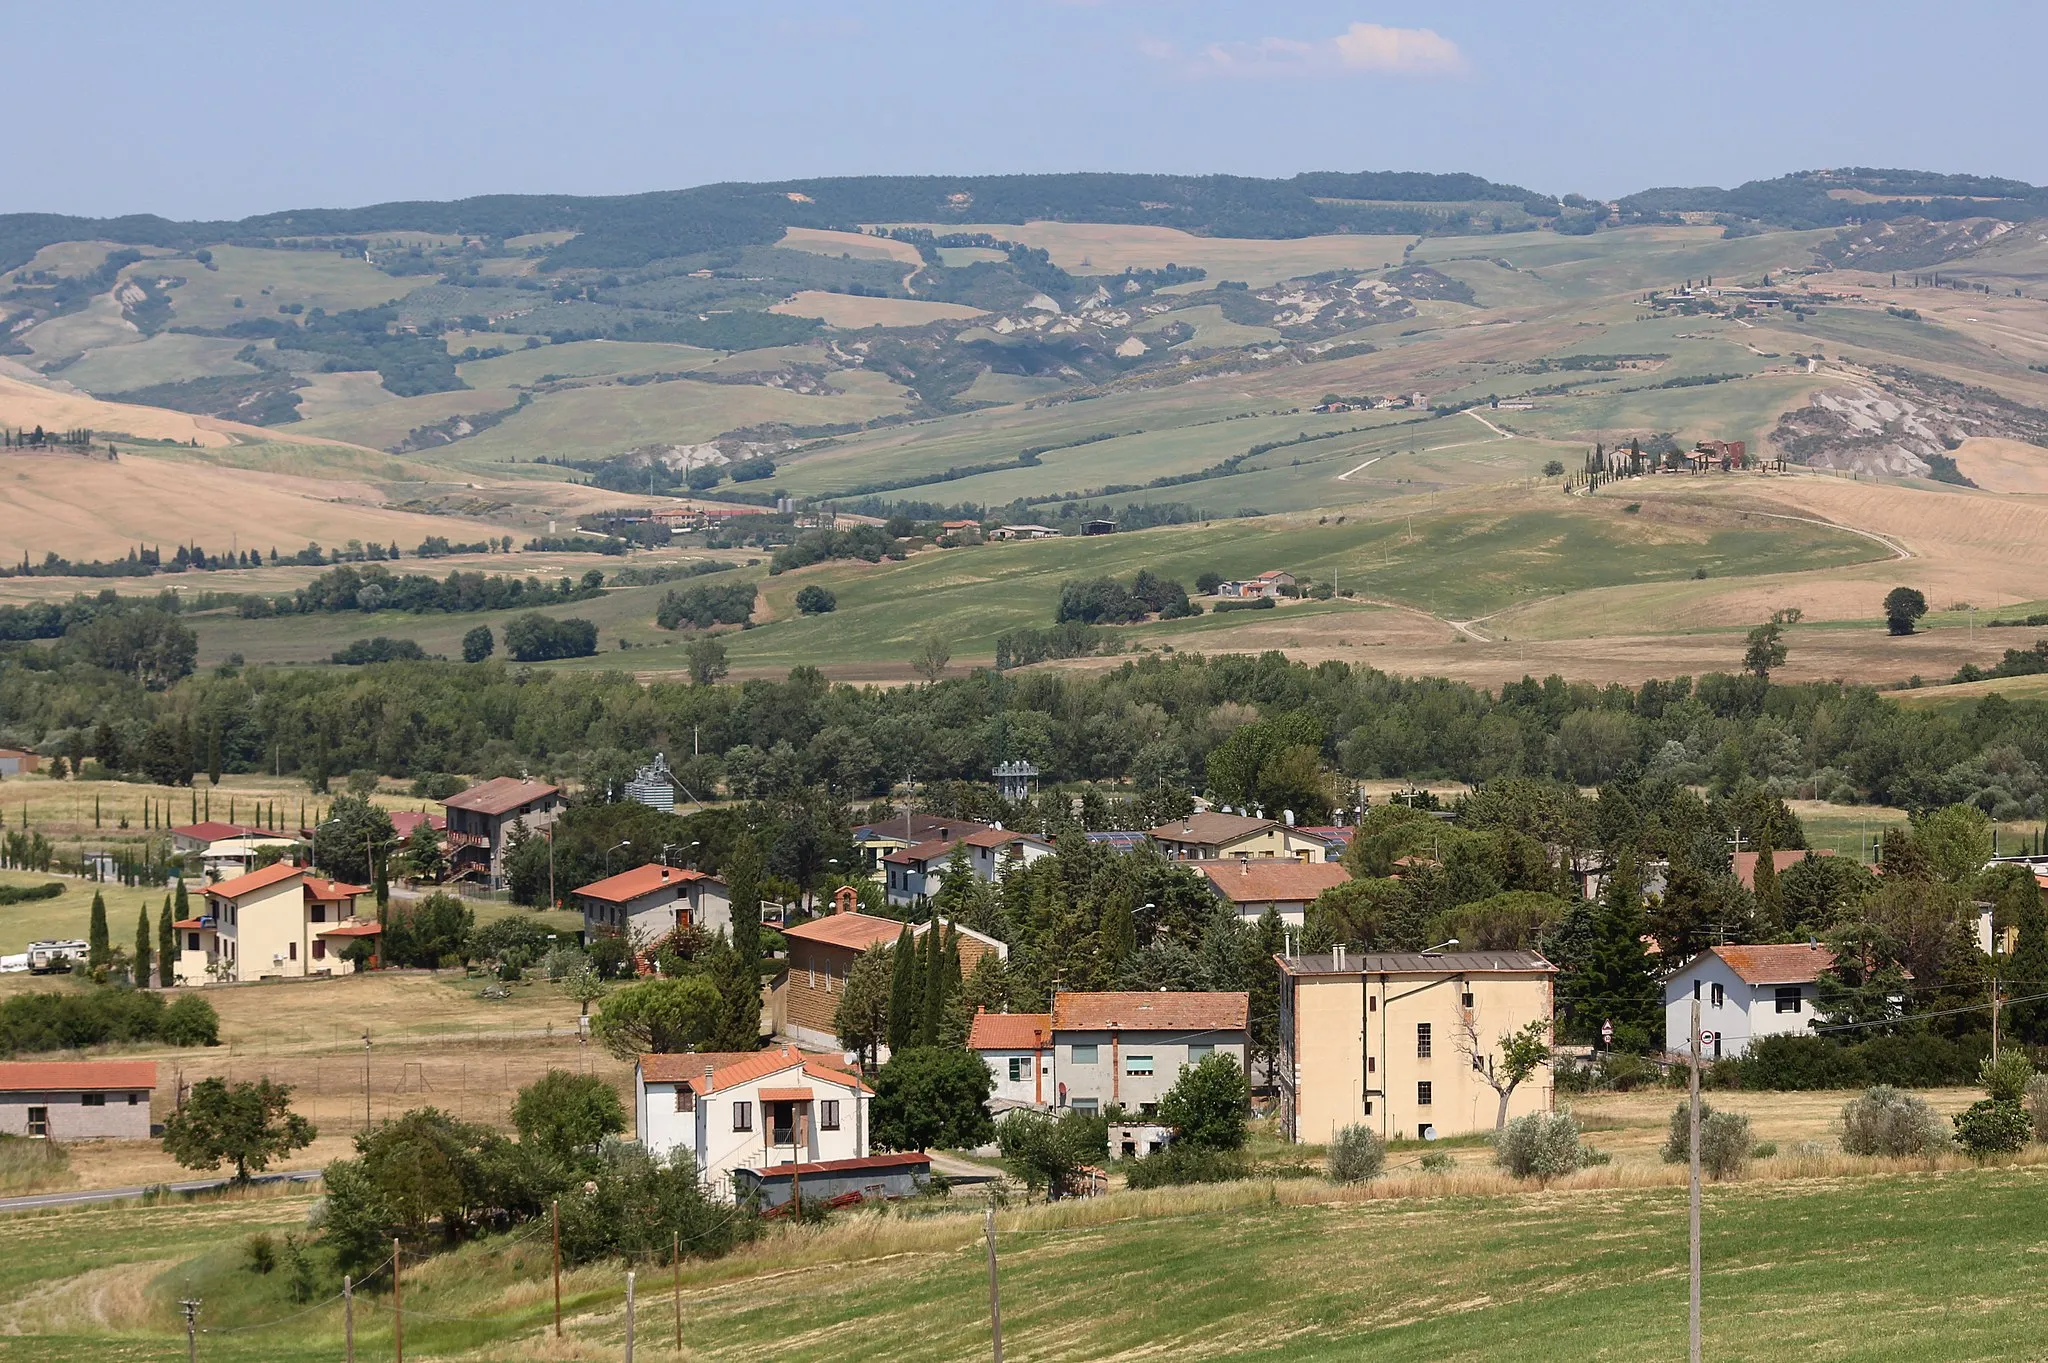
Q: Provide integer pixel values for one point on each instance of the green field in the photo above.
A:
(167, 357)
(1944, 1262)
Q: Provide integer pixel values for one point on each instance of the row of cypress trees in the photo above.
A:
(922, 984)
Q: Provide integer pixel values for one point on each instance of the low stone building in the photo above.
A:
(77, 1100)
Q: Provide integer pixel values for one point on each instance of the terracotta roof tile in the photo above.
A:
(1211, 828)
(1797, 963)
(641, 880)
(1265, 881)
(70, 1076)
(275, 874)
(1745, 863)
(856, 930)
(1009, 1031)
(1165, 1010)
(213, 830)
(732, 1068)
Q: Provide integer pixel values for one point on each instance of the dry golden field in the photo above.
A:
(851, 312)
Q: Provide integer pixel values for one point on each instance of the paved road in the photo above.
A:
(86, 1197)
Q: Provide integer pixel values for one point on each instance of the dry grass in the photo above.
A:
(2004, 465)
(856, 244)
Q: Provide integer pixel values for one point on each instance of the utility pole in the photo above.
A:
(348, 1319)
(366, 1079)
(191, 1308)
(1996, 1000)
(1693, 1230)
(397, 1305)
(555, 1214)
(995, 1300)
(629, 1316)
(675, 1260)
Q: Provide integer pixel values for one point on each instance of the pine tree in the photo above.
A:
(99, 949)
(166, 946)
(1618, 981)
(906, 994)
(143, 948)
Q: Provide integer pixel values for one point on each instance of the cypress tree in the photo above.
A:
(167, 945)
(212, 755)
(739, 991)
(99, 950)
(906, 996)
(1770, 901)
(934, 985)
(2028, 965)
(95, 811)
(143, 948)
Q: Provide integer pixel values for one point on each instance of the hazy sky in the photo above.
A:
(221, 110)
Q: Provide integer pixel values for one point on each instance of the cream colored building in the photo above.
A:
(281, 922)
(1388, 1040)
(1212, 836)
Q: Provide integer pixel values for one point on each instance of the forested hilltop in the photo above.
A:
(628, 230)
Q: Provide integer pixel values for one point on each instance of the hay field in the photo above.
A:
(25, 405)
(581, 359)
(2004, 465)
(856, 244)
(1101, 248)
(91, 508)
(852, 313)
(333, 394)
(99, 323)
(379, 425)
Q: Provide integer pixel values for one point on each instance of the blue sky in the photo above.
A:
(225, 109)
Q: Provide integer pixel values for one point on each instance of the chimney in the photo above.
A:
(1287, 817)
(664, 873)
(1338, 953)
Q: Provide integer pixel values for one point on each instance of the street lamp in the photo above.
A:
(626, 842)
(316, 838)
(1438, 948)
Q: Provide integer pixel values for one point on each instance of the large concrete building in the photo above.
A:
(1403, 1042)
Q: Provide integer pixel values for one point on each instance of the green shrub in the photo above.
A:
(1208, 1104)
(1993, 1126)
(1542, 1146)
(1048, 1152)
(1357, 1154)
(191, 1021)
(1438, 1162)
(1764, 1150)
(1724, 1140)
(259, 1252)
(2006, 1077)
(1886, 1121)
(27, 894)
(1179, 1163)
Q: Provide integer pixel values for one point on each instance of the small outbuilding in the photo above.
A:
(77, 1100)
(875, 1178)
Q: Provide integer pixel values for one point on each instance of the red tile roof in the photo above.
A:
(72, 1076)
(212, 830)
(1244, 880)
(351, 930)
(1165, 1011)
(1745, 863)
(730, 1069)
(275, 874)
(921, 827)
(788, 1095)
(189, 924)
(856, 930)
(500, 796)
(627, 886)
(1794, 964)
(404, 821)
(839, 1166)
(1009, 1031)
(330, 890)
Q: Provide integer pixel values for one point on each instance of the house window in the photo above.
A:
(1720, 996)
(1137, 1065)
(743, 1116)
(1695, 989)
(1087, 1105)
(1198, 1051)
(1020, 1069)
(39, 1121)
(292, 950)
(1465, 1001)
(1084, 1055)
(319, 914)
(1423, 1094)
(1372, 1004)
(319, 948)
(1372, 1064)
(1788, 998)
(828, 1114)
(1422, 1042)
(191, 941)
(92, 1099)
(134, 1100)
(686, 1098)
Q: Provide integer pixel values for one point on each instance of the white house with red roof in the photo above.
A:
(750, 1109)
(1744, 992)
(1017, 1048)
(282, 922)
(649, 902)
(916, 873)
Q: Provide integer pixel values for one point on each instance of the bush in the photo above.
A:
(1764, 1150)
(259, 1252)
(1358, 1154)
(932, 1096)
(1993, 1126)
(1208, 1104)
(1178, 1164)
(1438, 1162)
(25, 894)
(190, 1021)
(1048, 1152)
(1724, 1140)
(1542, 1146)
(702, 606)
(379, 650)
(816, 600)
(2006, 1077)
(62, 1022)
(1887, 1121)
(1920, 1060)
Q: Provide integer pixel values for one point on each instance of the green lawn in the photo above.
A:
(1897, 1268)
